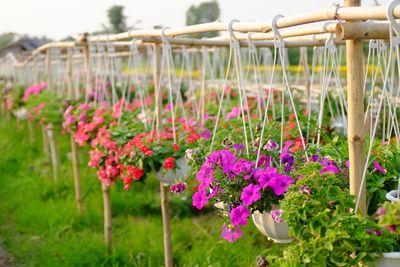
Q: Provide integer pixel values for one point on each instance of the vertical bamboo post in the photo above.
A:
(77, 182)
(355, 78)
(48, 69)
(107, 217)
(53, 150)
(86, 59)
(45, 143)
(163, 188)
(69, 74)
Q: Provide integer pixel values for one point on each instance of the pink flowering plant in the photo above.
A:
(44, 106)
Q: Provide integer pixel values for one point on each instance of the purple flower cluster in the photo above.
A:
(233, 167)
(178, 188)
(276, 215)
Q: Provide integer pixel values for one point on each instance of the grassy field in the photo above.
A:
(39, 224)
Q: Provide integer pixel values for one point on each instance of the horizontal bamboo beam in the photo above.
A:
(362, 30)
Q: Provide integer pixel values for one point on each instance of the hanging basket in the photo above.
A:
(391, 259)
(393, 196)
(277, 232)
(170, 177)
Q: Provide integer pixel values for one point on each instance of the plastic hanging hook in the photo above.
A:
(164, 36)
(278, 40)
(232, 35)
(252, 47)
(329, 43)
(393, 23)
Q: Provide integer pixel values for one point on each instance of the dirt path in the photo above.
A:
(5, 259)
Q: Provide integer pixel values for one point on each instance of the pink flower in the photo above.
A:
(239, 215)
(276, 215)
(329, 168)
(178, 188)
(95, 157)
(378, 167)
(199, 199)
(279, 183)
(251, 194)
(231, 234)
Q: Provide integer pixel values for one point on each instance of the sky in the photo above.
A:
(57, 19)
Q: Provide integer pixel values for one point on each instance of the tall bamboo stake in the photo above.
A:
(48, 69)
(163, 188)
(45, 143)
(77, 182)
(69, 74)
(107, 217)
(53, 150)
(355, 78)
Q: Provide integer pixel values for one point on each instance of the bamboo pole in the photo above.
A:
(355, 79)
(53, 150)
(69, 74)
(163, 188)
(107, 217)
(77, 182)
(48, 69)
(45, 143)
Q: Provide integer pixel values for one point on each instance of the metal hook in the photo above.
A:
(250, 41)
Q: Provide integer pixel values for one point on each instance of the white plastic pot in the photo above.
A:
(171, 176)
(277, 232)
(393, 196)
(391, 259)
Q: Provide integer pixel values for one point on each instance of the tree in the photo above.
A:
(116, 19)
(205, 12)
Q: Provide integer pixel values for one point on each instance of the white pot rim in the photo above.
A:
(392, 255)
(392, 195)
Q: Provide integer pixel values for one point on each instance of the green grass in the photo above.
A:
(40, 226)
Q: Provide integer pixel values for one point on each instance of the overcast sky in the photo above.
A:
(60, 18)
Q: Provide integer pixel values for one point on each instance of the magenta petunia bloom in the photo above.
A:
(264, 176)
(231, 234)
(239, 215)
(378, 167)
(329, 168)
(251, 194)
(199, 199)
(279, 184)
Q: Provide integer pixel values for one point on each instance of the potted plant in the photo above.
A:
(389, 218)
(319, 211)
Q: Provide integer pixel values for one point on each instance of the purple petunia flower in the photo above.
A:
(239, 215)
(287, 161)
(178, 188)
(276, 215)
(242, 167)
(314, 158)
(279, 183)
(329, 168)
(264, 176)
(231, 234)
(206, 134)
(378, 167)
(238, 148)
(251, 194)
(271, 145)
(392, 228)
(199, 199)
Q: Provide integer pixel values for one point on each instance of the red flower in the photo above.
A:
(193, 137)
(146, 151)
(176, 147)
(134, 172)
(169, 163)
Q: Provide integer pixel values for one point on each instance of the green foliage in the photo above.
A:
(40, 225)
(117, 19)
(204, 12)
(389, 217)
(5, 39)
(47, 107)
(327, 233)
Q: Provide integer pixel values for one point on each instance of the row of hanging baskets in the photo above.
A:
(237, 128)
